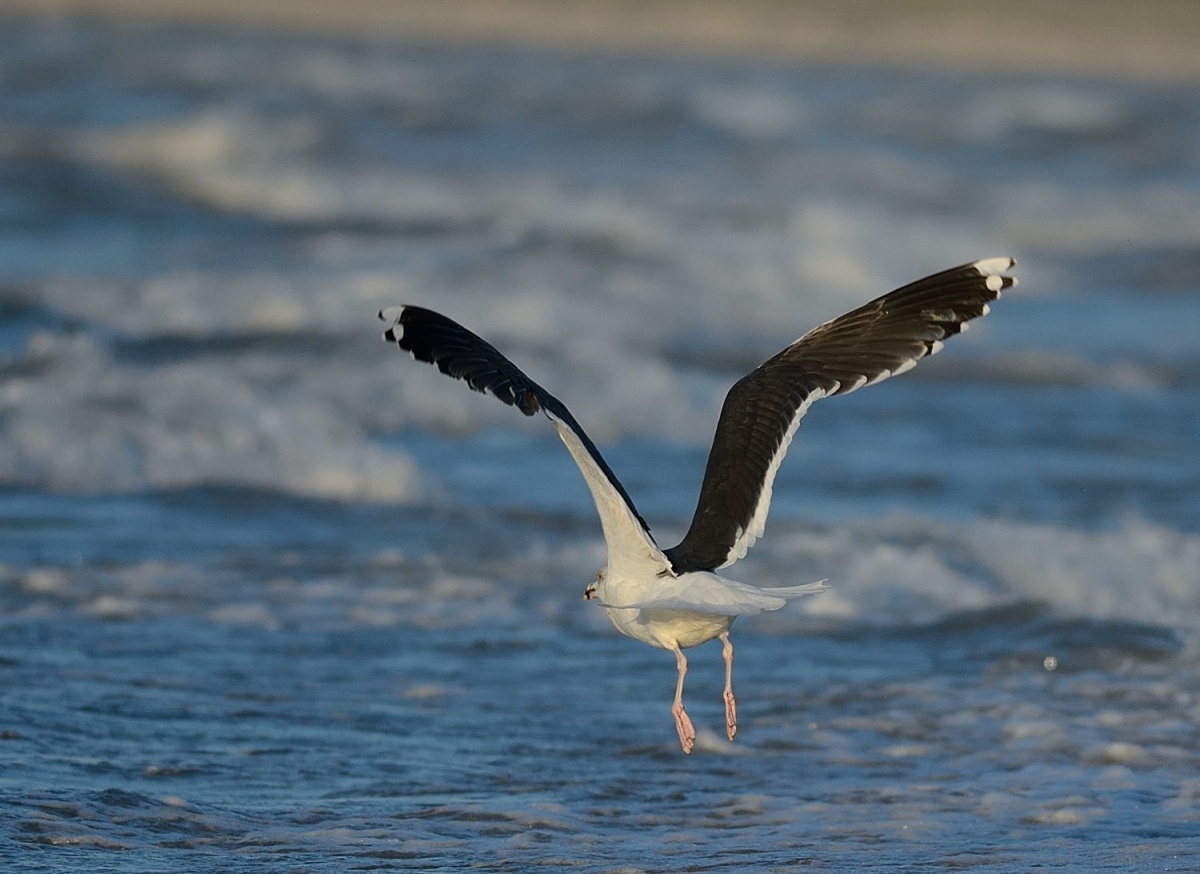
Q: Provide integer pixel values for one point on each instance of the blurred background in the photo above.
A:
(274, 593)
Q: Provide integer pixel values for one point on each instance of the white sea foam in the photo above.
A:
(903, 570)
(1051, 108)
(894, 572)
(280, 380)
(80, 419)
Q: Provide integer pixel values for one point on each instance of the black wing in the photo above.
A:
(885, 337)
(461, 354)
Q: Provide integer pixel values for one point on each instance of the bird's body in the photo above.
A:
(667, 628)
(674, 599)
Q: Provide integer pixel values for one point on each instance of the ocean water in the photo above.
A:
(273, 597)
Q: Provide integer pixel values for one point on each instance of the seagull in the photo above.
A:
(674, 598)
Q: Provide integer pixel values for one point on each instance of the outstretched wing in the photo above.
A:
(461, 354)
(885, 337)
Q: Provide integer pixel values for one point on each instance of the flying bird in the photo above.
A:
(674, 598)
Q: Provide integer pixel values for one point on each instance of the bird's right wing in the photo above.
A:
(882, 338)
(461, 354)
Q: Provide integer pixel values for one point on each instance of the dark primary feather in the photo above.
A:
(868, 344)
(458, 353)
(893, 331)
(463, 354)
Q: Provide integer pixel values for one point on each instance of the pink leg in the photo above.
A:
(730, 704)
(683, 725)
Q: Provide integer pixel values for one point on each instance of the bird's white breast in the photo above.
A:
(667, 629)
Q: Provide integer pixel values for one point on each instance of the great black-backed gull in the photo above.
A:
(673, 598)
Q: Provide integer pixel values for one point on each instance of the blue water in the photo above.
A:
(275, 597)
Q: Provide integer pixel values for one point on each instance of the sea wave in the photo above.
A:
(460, 570)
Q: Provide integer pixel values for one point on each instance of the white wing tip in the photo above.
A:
(994, 271)
(391, 315)
(994, 266)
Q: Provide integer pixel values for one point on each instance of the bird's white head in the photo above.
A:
(592, 590)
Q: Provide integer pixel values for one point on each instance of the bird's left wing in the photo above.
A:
(457, 352)
(880, 339)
